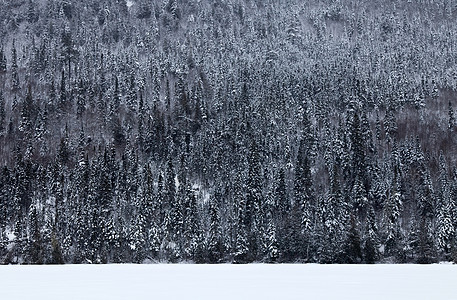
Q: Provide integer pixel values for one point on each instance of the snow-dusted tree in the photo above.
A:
(445, 228)
(451, 118)
(215, 242)
(254, 196)
(303, 188)
(3, 61)
(241, 254)
(35, 242)
(138, 236)
(352, 250)
(2, 114)
(15, 84)
(370, 245)
(392, 210)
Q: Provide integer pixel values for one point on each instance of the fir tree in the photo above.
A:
(352, 251)
(15, 84)
(451, 117)
(303, 188)
(2, 113)
(215, 246)
(371, 244)
(35, 241)
(3, 61)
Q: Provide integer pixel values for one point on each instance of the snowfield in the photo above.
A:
(255, 281)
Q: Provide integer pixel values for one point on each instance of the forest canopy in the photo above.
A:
(228, 131)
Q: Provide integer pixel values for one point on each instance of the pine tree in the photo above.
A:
(80, 100)
(254, 186)
(451, 117)
(282, 202)
(116, 125)
(69, 53)
(426, 195)
(3, 61)
(359, 198)
(56, 251)
(352, 251)
(32, 14)
(35, 241)
(63, 92)
(390, 125)
(358, 149)
(27, 112)
(272, 248)
(215, 245)
(303, 188)
(426, 246)
(15, 84)
(2, 113)
(371, 239)
(191, 222)
(392, 210)
(331, 217)
(446, 229)
(241, 254)
(138, 238)
(131, 97)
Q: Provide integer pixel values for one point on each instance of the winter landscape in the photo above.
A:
(281, 135)
(225, 281)
(273, 141)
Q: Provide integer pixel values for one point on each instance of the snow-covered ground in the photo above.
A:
(255, 281)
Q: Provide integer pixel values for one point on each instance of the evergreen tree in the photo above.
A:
(56, 254)
(426, 246)
(2, 113)
(331, 219)
(3, 61)
(80, 100)
(282, 202)
(272, 248)
(352, 251)
(446, 230)
(191, 222)
(215, 245)
(27, 111)
(63, 92)
(15, 84)
(358, 149)
(371, 243)
(139, 238)
(35, 241)
(241, 254)
(451, 117)
(392, 210)
(254, 186)
(303, 188)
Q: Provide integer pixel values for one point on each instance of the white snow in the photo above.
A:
(130, 3)
(10, 234)
(255, 281)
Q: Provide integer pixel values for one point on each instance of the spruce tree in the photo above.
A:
(15, 84)
(35, 241)
(352, 251)
(451, 118)
(3, 61)
(215, 245)
(371, 239)
(2, 114)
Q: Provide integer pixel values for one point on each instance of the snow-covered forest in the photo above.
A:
(228, 131)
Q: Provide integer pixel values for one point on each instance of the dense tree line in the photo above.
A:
(228, 131)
